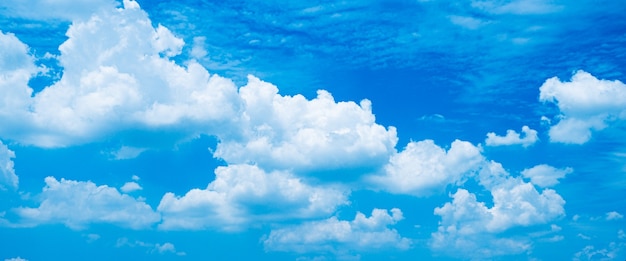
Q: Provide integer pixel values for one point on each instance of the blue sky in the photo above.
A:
(320, 130)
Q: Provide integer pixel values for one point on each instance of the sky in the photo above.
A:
(312, 130)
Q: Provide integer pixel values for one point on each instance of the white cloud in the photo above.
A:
(117, 75)
(611, 252)
(544, 175)
(470, 227)
(586, 104)
(334, 235)
(165, 248)
(127, 152)
(77, 204)
(614, 215)
(130, 187)
(291, 132)
(424, 168)
(513, 138)
(241, 194)
(7, 171)
(92, 237)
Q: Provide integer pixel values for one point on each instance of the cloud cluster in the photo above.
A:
(332, 235)
(469, 226)
(7, 172)
(244, 193)
(77, 204)
(586, 104)
(513, 138)
(117, 75)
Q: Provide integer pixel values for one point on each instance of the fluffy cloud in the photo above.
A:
(130, 187)
(586, 104)
(244, 193)
(545, 175)
(78, 204)
(470, 227)
(7, 172)
(513, 138)
(334, 235)
(423, 168)
(295, 133)
(117, 75)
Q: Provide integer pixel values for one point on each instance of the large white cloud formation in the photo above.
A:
(117, 75)
(468, 226)
(7, 171)
(77, 204)
(241, 194)
(586, 104)
(334, 235)
(291, 132)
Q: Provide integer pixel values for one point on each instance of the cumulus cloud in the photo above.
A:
(7, 171)
(130, 187)
(544, 175)
(586, 104)
(117, 75)
(423, 168)
(469, 226)
(334, 235)
(244, 193)
(77, 204)
(513, 138)
(292, 132)
(614, 215)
